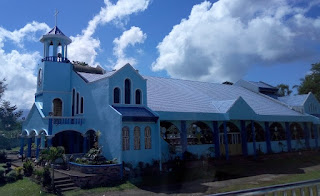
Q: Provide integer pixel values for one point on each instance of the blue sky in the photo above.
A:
(274, 41)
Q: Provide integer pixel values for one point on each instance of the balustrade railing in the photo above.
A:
(311, 187)
(56, 59)
(67, 121)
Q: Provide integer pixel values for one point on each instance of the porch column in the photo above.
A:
(29, 147)
(85, 143)
(216, 139)
(226, 139)
(267, 128)
(244, 138)
(37, 145)
(49, 141)
(43, 141)
(288, 136)
(183, 136)
(21, 145)
(316, 136)
(254, 139)
(306, 134)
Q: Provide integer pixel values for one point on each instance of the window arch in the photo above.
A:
(259, 133)
(296, 131)
(147, 137)
(199, 133)
(116, 95)
(39, 76)
(137, 138)
(125, 138)
(277, 132)
(57, 107)
(138, 96)
(127, 91)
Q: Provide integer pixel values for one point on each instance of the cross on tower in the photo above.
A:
(56, 14)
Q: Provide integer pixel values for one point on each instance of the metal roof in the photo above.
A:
(136, 114)
(91, 77)
(55, 31)
(295, 100)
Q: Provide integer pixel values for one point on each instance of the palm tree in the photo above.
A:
(52, 154)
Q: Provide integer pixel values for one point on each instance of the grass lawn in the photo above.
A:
(22, 187)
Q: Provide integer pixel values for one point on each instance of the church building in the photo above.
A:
(138, 118)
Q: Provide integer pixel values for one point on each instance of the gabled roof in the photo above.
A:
(172, 95)
(295, 100)
(261, 84)
(136, 114)
(55, 31)
(91, 77)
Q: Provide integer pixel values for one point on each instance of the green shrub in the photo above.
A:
(3, 156)
(27, 168)
(18, 171)
(38, 174)
(46, 177)
(2, 172)
(11, 176)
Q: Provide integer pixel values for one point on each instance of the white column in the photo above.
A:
(55, 47)
(62, 51)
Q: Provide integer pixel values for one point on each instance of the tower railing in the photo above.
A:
(56, 59)
(57, 120)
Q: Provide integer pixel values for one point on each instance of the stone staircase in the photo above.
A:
(63, 184)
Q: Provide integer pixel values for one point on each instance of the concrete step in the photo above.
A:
(61, 179)
(69, 185)
(63, 182)
(67, 189)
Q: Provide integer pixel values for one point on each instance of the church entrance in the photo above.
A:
(72, 141)
(234, 139)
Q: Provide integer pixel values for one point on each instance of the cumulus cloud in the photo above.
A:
(17, 67)
(221, 41)
(84, 47)
(128, 38)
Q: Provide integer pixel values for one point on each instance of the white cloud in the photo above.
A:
(220, 41)
(18, 67)
(84, 47)
(128, 38)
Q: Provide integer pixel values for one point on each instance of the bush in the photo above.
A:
(38, 174)
(2, 172)
(3, 156)
(18, 171)
(27, 168)
(46, 177)
(11, 176)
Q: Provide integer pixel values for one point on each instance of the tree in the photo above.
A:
(52, 154)
(284, 90)
(311, 82)
(8, 113)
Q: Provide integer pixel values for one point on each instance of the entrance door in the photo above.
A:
(234, 143)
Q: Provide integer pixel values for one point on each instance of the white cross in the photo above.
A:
(56, 14)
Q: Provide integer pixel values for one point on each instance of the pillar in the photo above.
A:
(288, 136)
(216, 139)
(254, 139)
(62, 52)
(268, 138)
(55, 49)
(43, 141)
(38, 140)
(21, 145)
(49, 141)
(50, 126)
(244, 138)
(316, 136)
(306, 134)
(29, 147)
(66, 52)
(225, 137)
(183, 136)
(85, 143)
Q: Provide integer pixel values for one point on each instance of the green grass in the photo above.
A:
(22, 187)
(125, 186)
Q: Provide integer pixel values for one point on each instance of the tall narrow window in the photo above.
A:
(57, 107)
(81, 106)
(137, 138)
(125, 138)
(127, 91)
(77, 106)
(39, 77)
(73, 97)
(147, 137)
(116, 95)
(138, 96)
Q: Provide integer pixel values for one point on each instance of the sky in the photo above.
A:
(274, 41)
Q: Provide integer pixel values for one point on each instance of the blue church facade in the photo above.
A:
(137, 118)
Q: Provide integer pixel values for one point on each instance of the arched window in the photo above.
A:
(127, 91)
(39, 77)
(81, 106)
(73, 97)
(116, 95)
(137, 138)
(296, 131)
(259, 133)
(57, 107)
(147, 137)
(277, 133)
(77, 107)
(125, 138)
(199, 133)
(138, 96)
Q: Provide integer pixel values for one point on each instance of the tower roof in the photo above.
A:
(55, 31)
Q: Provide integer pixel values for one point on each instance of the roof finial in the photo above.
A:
(56, 14)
